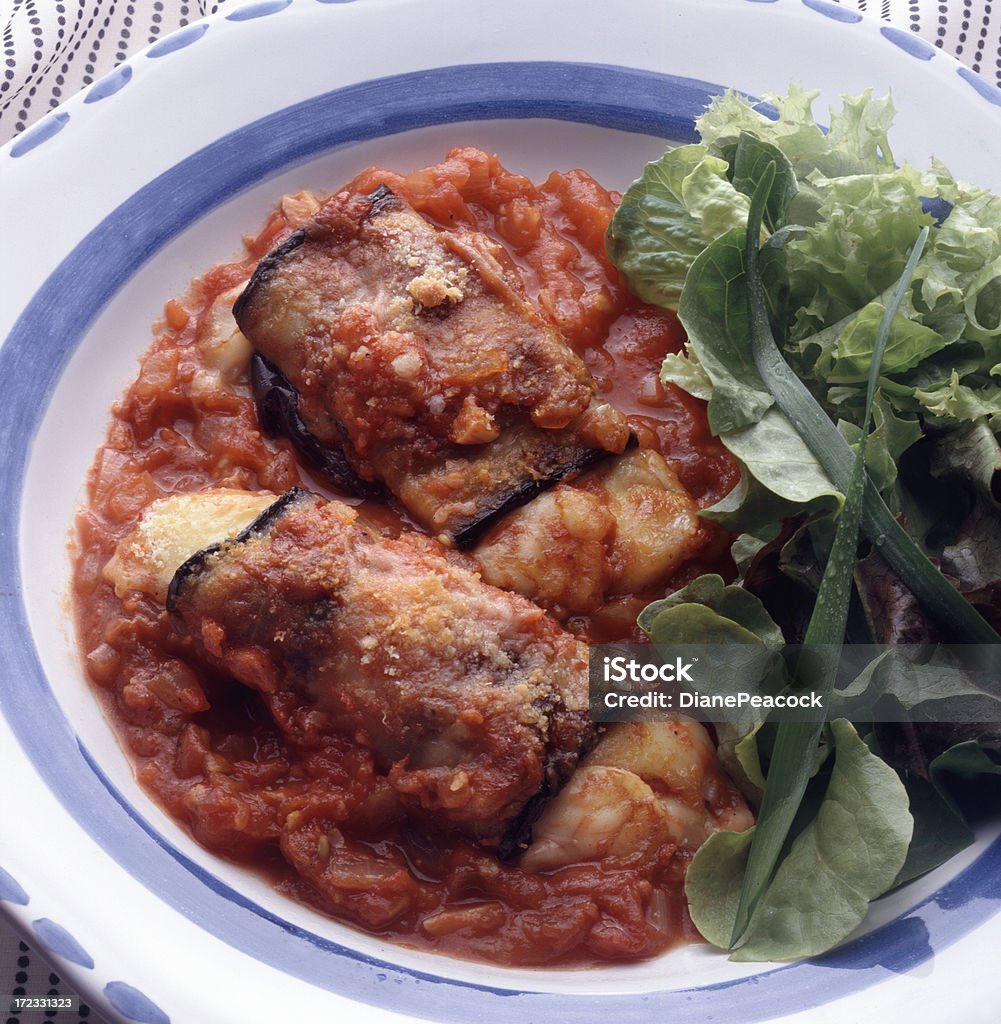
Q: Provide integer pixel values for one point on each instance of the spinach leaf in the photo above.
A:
(940, 827)
(752, 160)
(744, 641)
(940, 831)
(783, 477)
(713, 310)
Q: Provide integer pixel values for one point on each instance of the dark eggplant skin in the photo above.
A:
(269, 265)
(466, 538)
(383, 198)
(278, 412)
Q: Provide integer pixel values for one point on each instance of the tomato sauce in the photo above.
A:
(206, 748)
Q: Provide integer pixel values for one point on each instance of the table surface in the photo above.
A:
(52, 49)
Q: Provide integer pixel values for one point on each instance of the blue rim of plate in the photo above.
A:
(35, 354)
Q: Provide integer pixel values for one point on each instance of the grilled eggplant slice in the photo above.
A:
(415, 353)
(472, 700)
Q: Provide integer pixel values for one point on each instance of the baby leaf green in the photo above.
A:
(847, 856)
(681, 203)
(740, 607)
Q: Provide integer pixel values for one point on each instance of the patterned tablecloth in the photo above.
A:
(52, 49)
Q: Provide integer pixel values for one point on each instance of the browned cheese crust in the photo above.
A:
(472, 699)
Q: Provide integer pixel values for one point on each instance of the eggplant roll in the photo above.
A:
(417, 354)
(473, 701)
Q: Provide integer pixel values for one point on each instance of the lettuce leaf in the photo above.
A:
(946, 346)
(683, 201)
(909, 344)
(843, 219)
(677, 240)
(849, 854)
(891, 436)
(955, 403)
(856, 142)
(856, 249)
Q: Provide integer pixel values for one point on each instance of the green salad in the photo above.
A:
(843, 315)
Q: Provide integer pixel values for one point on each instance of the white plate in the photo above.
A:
(110, 205)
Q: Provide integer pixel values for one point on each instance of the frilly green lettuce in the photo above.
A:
(857, 215)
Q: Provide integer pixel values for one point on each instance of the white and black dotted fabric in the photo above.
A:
(968, 29)
(25, 973)
(54, 48)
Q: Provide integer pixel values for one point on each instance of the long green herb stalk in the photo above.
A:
(794, 752)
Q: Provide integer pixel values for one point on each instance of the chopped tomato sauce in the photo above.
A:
(204, 746)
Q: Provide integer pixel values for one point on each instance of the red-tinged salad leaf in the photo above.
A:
(970, 455)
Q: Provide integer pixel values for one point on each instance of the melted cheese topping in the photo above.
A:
(173, 529)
